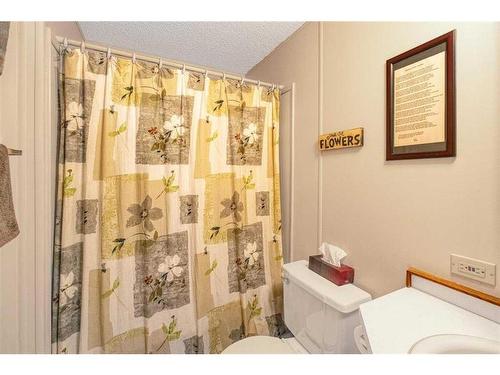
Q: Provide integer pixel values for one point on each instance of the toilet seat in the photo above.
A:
(260, 345)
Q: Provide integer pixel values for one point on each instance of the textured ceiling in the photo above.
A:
(234, 47)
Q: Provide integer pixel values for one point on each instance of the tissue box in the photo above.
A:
(338, 275)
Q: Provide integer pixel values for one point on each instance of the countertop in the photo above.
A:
(394, 322)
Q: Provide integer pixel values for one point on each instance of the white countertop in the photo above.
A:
(394, 322)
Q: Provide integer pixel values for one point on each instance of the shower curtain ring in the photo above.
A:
(133, 58)
(65, 43)
(183, 69)
(242, 80)
(224, 76)
(258, 84)
(206, 73)
(82, 47)
(160, 63)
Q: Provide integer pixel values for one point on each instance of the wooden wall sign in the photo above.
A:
(341, 139)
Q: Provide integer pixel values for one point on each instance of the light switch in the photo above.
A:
(475, 269)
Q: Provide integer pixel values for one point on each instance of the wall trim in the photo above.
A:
(292, 177)
(289, 253)
(412, 272)
(320, 131)
(44, 197)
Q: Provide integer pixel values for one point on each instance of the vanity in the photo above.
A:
(430, 315)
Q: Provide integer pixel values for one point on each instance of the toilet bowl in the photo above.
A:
(266, 345)
(321, 315)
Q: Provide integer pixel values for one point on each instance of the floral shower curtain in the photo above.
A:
(168, 212)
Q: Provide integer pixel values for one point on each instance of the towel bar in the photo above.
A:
(14, 152)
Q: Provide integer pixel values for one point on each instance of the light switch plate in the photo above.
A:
(475, 269)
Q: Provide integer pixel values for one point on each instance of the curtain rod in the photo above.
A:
(171, 63)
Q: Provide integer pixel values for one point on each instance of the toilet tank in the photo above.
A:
(321, 315)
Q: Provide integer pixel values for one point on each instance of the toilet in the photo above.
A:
(321, 315)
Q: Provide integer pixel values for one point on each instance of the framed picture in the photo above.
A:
(421, 101)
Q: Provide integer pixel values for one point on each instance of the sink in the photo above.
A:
(409, 318)
(455, 344)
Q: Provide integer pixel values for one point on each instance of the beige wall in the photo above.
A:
(28, 122)
(69, 30)
(296, 60)
(391, 215)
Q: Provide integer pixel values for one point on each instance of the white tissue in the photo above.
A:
(332, 254)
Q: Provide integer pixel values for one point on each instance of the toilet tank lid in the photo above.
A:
(345, 298)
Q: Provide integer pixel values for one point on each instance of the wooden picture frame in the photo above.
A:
(425, 90)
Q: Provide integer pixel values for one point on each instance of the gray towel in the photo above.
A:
(8, 223)
(4, 36)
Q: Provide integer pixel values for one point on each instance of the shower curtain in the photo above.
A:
(168, 221)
